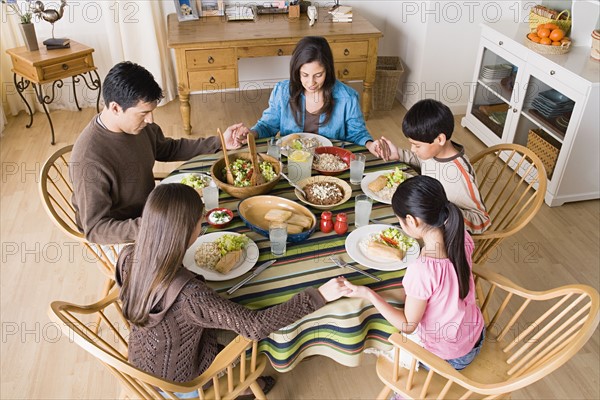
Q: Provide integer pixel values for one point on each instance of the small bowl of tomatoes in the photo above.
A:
(219, 217)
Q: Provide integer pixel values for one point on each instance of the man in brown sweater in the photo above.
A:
(112, 159)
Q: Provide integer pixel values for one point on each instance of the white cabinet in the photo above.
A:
(516, 91)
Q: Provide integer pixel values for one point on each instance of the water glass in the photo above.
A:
(274, 148)
(357, 168)
(278, 238)
(362, 210)
(211, 197)
(300, 163)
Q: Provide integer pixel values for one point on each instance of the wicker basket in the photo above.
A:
(545, 147)
(387, 77)
(535, 19)
(546, 48)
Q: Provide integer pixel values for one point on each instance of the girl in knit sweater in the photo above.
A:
(174, 314)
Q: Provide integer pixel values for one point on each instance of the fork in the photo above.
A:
(342, 264)
(203, 230)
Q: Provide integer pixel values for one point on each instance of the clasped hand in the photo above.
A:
(236, 136)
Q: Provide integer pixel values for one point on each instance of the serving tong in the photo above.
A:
(256, 178)
(228, 173)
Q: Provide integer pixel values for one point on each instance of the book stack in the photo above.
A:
(240, 13)
(341, 13)
(57, 43)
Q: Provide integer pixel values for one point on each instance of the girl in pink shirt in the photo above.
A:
(439, 289)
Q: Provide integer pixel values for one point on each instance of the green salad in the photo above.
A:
(242, 172)
(395, 178)
(394, 238)
(229, 243)
(196, 181)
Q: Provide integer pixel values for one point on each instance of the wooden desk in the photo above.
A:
(42, 66)
(207, 50)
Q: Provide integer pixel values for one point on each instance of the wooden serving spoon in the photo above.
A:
(229, 174)
(256, 178)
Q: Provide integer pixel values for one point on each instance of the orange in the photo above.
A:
(556, 35)
(551, 26)
(533, 35)
(535, 39)
(543, 33)
(556, 44)
(545, 40)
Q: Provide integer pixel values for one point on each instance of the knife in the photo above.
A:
(342, 264)
(256, 272)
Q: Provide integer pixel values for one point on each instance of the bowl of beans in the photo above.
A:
(324, 192)
(331, 160)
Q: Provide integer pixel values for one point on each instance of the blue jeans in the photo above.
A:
(462, 362)
(190, 395)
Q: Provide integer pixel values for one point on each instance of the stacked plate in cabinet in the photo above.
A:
(551, 104)
(495, 72)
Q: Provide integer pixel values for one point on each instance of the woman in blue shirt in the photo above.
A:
(313, 100)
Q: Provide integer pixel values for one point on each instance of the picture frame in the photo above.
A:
(186, 10)
(210, 8)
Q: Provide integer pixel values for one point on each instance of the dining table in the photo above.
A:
(345, 330)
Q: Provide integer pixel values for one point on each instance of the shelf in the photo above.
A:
(545, 125)
(504, 93)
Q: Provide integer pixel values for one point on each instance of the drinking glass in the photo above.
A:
(300, 163)
(357, 168)
(362, 210)
(211, 197)
(274, 148)
(278, 238)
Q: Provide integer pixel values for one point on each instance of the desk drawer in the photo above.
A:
(350, 50)
(266, 51)
(214, 58)
(66, 68)
(346, 71)
(213, 80)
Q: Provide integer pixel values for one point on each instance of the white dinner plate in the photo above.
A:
(356, 244)
(178, 177)
(250, 258)
(370, 177)
(322, 140)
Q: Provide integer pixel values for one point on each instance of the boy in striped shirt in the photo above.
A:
(428, 125)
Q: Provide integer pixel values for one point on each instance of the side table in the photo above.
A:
(42, 66)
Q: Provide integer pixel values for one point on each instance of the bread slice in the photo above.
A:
(302, 220)
(380, 250)
(276, 215)
(229, 261)
(293, 229)
(378, 183)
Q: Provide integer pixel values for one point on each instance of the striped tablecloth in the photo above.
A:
(343, 329)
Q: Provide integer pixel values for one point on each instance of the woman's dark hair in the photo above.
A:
(424, 197)
(426, 120)
(170, 216)
(127, 84)
(310, 49)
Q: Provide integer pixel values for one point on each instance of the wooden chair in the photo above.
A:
(512, 181)
(110, 347)
(529, 335)
(56, 191)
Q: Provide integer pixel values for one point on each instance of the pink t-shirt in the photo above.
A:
(450, 327)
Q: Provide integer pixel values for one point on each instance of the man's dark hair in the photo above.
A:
(128, 83)
(426, 120)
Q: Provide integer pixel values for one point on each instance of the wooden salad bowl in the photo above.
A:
(217, 173)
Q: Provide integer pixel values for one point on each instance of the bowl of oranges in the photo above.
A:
(548, 39)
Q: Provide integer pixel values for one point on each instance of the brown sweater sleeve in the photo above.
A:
(209, 310)
(169, 149)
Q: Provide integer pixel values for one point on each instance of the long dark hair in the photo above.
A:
(310, 49)
(170, 216)
(424, 197)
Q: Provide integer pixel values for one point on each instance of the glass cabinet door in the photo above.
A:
(494, 91)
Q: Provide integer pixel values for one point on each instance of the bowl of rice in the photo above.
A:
(324, 192)
(331, 160)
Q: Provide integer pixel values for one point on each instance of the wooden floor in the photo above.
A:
(560, 246)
